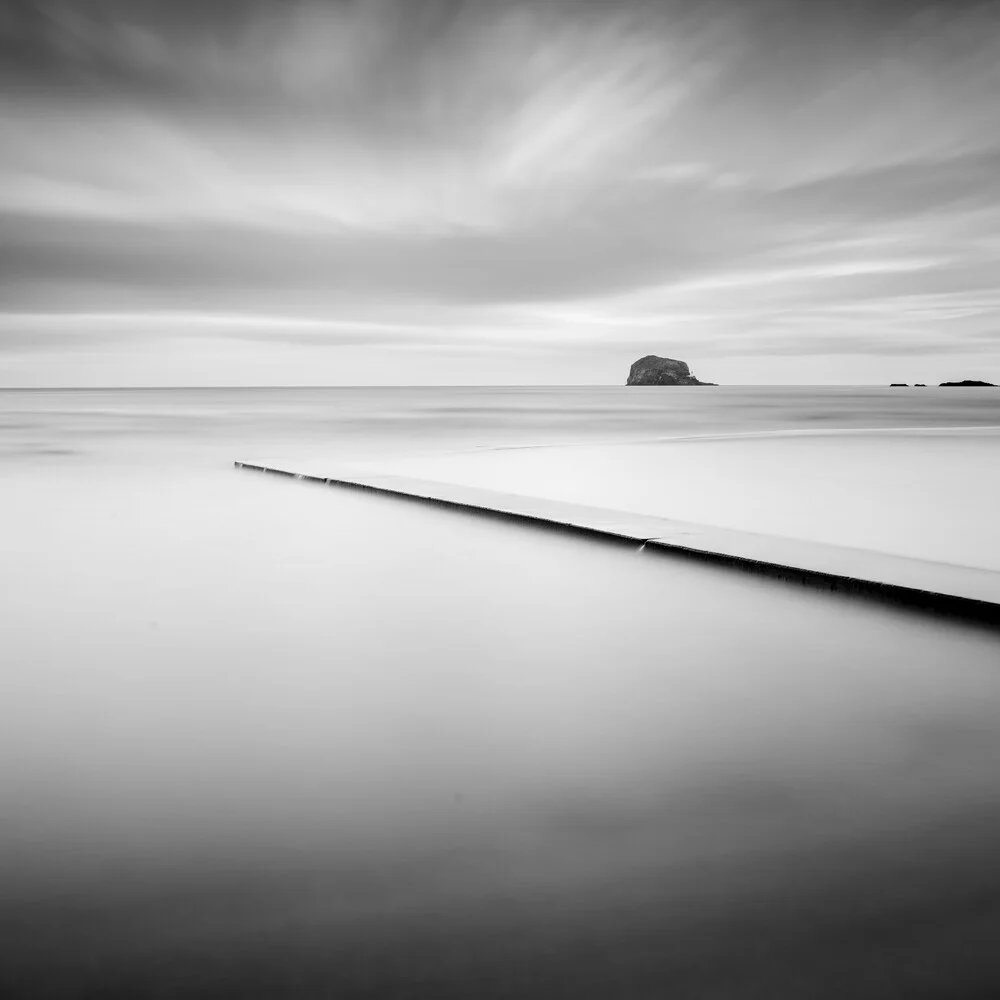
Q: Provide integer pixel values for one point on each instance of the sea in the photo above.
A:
(263, 738)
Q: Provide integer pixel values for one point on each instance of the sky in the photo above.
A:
(345, 192)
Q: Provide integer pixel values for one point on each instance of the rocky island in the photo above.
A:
(966, 381)
(652, 370)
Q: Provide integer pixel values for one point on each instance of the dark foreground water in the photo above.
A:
(265, 739)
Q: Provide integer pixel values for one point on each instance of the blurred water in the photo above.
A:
(929, 494)
(262, 738)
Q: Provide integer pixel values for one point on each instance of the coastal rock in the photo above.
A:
(970, 381)
(652, 370)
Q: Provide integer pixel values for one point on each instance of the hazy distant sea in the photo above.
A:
(264, 739)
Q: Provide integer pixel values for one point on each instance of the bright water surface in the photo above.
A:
(265, 739)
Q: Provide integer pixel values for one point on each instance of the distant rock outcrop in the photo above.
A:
(893, 385)
(652, 370)
(970, 381)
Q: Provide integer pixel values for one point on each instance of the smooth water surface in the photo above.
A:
(262, 738)
(927, 494)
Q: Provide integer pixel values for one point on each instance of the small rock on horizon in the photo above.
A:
(654, 370)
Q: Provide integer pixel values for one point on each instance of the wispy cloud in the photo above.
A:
(381, 173)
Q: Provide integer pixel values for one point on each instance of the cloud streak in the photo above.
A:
(727, 176)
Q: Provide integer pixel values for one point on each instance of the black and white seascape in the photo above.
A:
(687, 684)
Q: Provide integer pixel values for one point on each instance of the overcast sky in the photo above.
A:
(439, 191)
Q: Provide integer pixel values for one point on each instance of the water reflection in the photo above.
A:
(266, 738)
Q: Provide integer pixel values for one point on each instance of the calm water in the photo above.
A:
(265, 739)
(930, 494)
